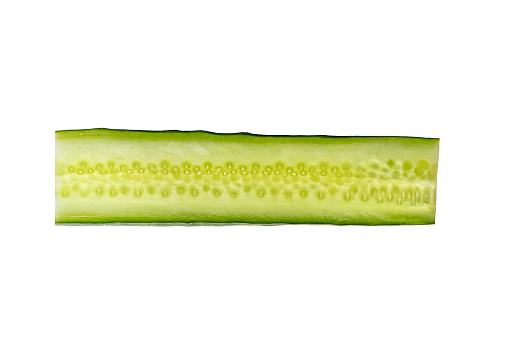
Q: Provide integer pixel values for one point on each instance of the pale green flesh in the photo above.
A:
(110, 176)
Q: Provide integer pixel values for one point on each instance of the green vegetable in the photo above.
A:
(118, 176)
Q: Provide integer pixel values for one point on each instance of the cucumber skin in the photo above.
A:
(242, 137)
(198, 220)
(229, 137)
(242, 223)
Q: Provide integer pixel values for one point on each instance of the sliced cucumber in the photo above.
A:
(118, 176)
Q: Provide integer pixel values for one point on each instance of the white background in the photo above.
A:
(417, 68)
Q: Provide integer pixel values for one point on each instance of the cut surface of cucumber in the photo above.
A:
(151, 177)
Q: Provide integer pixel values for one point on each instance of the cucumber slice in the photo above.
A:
(119, 176)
